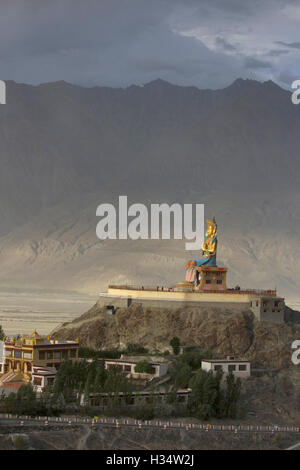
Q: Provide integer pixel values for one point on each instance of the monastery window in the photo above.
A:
(257, 303)
(276, 303)
(73, 353)
(217, 367)
(231, 367)
(64, 354)
(219, 281)
(127, 368)
(208, 281)
(242, 367)
(181, 398)
(49, 355)
(56, 354)
(37, 381)
(110, 309)
(42, 355)
(95, 401)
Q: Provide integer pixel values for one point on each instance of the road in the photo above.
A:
(24, 421)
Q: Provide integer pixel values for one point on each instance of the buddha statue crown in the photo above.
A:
(211, 225)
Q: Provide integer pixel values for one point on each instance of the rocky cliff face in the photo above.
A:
(226, 332)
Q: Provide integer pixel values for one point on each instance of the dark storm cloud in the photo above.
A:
(206, 43)
(252, 63)
(291, 45)
(277, 52)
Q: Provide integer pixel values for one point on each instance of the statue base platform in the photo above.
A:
(184, 286)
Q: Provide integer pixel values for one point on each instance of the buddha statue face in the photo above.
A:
(211, 227)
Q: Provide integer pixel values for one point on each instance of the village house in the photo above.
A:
(239, 368)
(127, 364)
(42, 377)
(21, 356)
(135, 398)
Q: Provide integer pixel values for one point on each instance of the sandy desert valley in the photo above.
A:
(21, 312)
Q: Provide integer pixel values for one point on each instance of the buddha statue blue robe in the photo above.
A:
(209, 254)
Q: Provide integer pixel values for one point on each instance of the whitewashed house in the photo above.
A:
(239, 368)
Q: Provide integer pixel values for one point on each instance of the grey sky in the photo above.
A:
(206, 43)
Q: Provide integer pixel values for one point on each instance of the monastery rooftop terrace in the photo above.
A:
(253, 292)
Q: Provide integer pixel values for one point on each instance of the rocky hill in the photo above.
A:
(226, 332)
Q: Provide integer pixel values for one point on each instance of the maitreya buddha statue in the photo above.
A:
(209, 253)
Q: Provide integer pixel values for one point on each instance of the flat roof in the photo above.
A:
(170, 289)
(44, 373)
(184, 391)
(225, 360)
(135, 360)
(46, 344)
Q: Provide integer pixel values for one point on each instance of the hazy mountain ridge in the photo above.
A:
(65, 149)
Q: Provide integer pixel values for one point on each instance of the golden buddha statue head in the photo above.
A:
(211, 227)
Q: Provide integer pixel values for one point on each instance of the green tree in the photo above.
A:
(204, 400)
(143, 367)
(100, 378)
(175, 344)
(116, 382)
(2, 334)
(180, 375)
(232, 395)
(26, 400)
(133, 348)
(89, 384)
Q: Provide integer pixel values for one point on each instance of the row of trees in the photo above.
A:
(72, 380)
(132, 348)
(83, 377)
(210, 399)
(211, 396)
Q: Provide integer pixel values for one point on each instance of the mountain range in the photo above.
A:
(65, 149)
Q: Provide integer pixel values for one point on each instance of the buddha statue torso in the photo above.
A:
(209, 253)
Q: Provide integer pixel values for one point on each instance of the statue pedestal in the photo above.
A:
(212, 278)
(184, 286)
